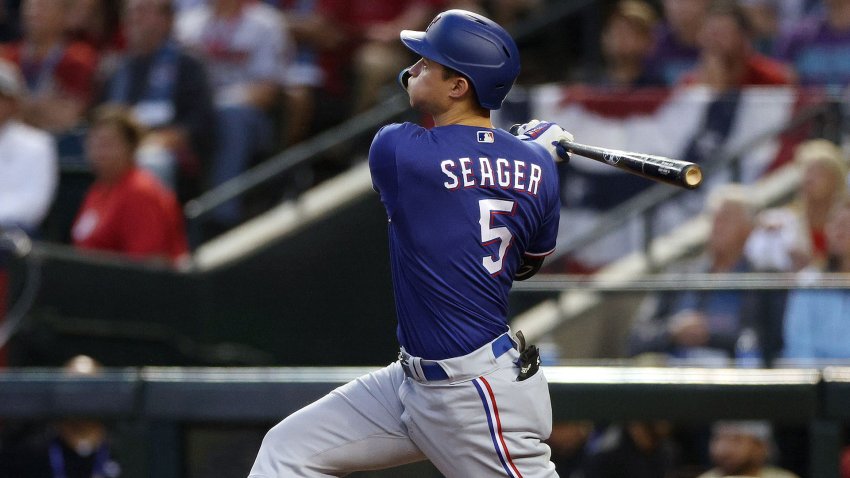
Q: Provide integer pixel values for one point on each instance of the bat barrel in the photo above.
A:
(657, 168)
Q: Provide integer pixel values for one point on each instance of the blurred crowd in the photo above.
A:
(218, 86)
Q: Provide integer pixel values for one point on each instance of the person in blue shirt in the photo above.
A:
(470, 209)
(817, 321)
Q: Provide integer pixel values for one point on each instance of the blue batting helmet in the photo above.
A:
(473, 45)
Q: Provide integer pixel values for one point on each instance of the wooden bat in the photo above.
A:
(657, 168)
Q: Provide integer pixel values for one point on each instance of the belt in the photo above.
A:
(431, 369)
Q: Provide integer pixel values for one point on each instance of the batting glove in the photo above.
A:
(546, 134)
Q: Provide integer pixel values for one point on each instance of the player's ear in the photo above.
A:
(460, 87)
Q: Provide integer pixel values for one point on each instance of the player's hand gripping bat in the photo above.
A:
(657, 168)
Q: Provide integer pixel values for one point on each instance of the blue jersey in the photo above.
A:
(464, 205)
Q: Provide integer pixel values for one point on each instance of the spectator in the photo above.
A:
(58, 74)
(170, 95)
(727, 58)
(358, 44)
(705, 325)
(97, 23)
(27, 160)
(379, 56)
(305, 78)
(676, 50)
(787, 239)
(634, 450)
(569, 444)
(817, 48)
(764, 17)
(126, 210)
(627, 41)
(245, 46)
(816, 325)
(75, 447)
(504, 12)
(742, 449)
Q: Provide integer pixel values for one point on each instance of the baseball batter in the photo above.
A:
(471, 209)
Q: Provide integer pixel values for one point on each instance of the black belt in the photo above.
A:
(432, 371)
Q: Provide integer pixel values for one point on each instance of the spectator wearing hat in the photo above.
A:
(742, 448)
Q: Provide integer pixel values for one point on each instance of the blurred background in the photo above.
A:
(190, 247)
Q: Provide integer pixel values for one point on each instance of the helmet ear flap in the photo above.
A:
(403, 76)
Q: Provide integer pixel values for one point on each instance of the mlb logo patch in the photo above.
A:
(485, 137)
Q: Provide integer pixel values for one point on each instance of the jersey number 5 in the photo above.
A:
(488, 208)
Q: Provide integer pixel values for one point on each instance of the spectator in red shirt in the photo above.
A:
(126, 210)
(728, 59)
(59, 74)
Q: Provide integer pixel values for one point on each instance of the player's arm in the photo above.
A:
(528, 267)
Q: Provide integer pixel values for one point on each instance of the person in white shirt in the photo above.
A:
(28, 160)
(246, 49)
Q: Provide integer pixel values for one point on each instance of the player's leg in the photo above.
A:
(356, 427)
(490, 426)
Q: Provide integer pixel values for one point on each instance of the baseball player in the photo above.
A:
(471, 209)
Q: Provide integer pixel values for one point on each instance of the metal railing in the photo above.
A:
(160, 402)
(670, 282)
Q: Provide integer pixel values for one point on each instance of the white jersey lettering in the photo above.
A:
(503, 172)
(487, 179)
(446, 165)
(534, 179)
(466, 171)
(517, 175)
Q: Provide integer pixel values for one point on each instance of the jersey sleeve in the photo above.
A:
(382, 160)
(383, 163)
(543, 243)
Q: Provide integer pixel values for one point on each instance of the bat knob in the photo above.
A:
(514, 130)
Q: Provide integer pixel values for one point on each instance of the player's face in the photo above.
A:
(428, 87)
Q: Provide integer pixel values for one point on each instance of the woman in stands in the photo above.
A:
(126, 210)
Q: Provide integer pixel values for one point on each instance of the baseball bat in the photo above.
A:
(657, 168)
